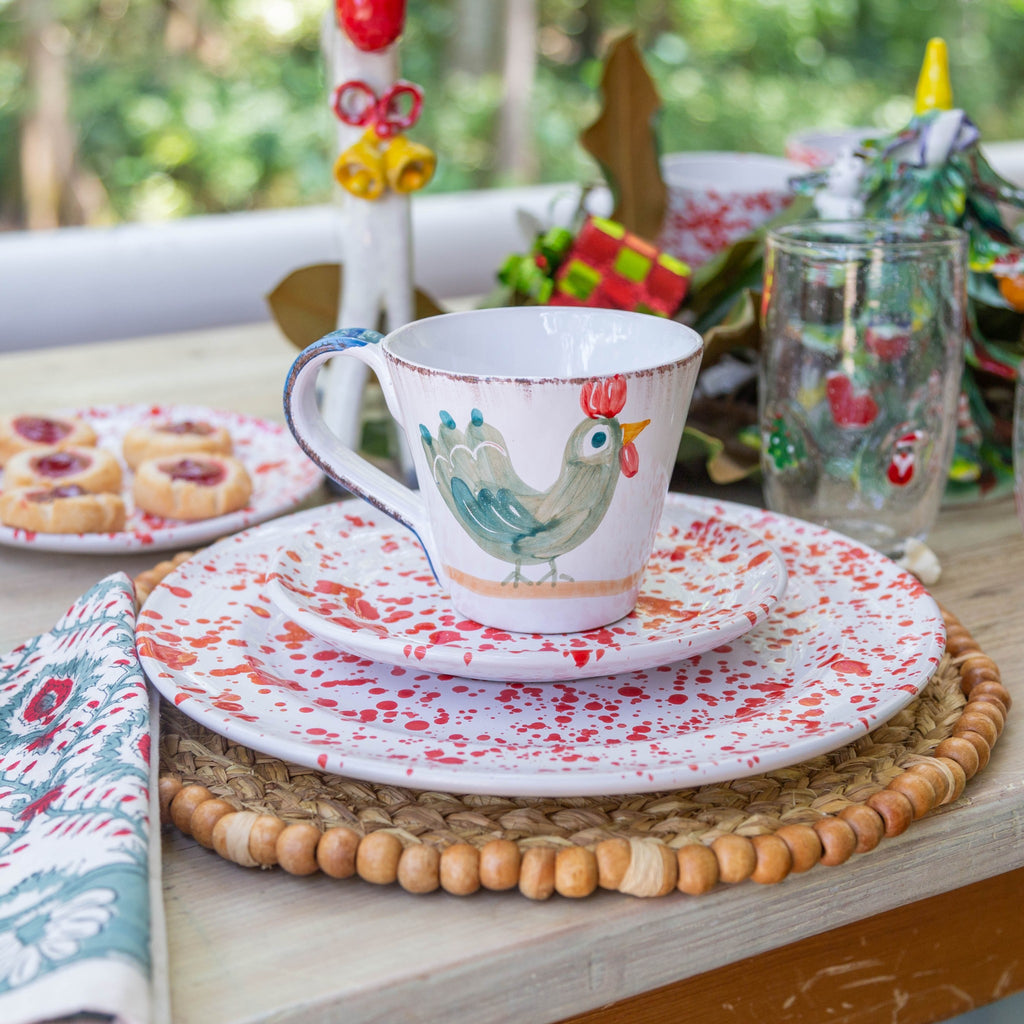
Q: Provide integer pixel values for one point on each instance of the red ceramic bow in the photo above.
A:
(398, 108)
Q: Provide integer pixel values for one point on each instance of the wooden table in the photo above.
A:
(928, 925)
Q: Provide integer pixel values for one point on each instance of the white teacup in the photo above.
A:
(543, 440)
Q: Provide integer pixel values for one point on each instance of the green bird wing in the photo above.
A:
(497, 517)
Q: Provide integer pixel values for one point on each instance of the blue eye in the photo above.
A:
(596, 441)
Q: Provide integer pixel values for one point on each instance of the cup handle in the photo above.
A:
(333, 456)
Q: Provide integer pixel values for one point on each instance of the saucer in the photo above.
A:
(853, 640)
(370, 591)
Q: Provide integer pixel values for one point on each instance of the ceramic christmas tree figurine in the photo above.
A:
(932, 170)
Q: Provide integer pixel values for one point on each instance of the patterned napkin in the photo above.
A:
(81, 918)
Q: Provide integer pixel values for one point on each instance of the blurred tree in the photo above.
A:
(47, 140)
(515, 150)
(176, 107)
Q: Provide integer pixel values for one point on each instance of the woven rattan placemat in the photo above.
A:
(260, 811)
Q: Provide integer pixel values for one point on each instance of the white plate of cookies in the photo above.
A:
(155, 477)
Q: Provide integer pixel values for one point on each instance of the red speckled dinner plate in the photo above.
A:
(282, 477)
(852, 641)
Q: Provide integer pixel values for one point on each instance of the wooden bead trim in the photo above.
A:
(419, 868)
(696, 869)
(804, 846)
(651, 870)
(231, 838)
(258, 811)
(537, 872)
(576, 871)
(773, 859)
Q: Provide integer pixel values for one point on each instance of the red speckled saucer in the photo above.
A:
(371, 592)
(851, 642)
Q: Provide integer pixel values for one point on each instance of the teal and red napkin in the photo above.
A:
(81, 918)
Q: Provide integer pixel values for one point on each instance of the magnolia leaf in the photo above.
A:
(742, 329)
(305, 303)
(424, 305)
(724, 468)
(623, 141)
(724, 463)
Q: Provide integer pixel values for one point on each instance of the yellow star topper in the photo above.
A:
(934, 91)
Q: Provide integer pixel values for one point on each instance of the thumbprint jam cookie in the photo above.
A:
(67, 508)
(29, 432)
(92, 469)
(192, 486)
(179, 437)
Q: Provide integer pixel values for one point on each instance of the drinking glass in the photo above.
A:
(862, 355)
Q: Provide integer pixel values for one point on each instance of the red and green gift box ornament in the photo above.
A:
(610, 267)
(531, 277)
(604, 266)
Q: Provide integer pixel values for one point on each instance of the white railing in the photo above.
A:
(74, 285)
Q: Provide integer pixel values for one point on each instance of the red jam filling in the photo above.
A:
(186, 427)
(60, 463)
(41, 430)
(195, 471)
(67, 491)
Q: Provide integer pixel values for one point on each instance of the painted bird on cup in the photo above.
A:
(515, 522)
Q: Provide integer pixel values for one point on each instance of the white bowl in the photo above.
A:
(715, 198)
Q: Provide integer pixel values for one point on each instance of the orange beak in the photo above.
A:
(631, 431)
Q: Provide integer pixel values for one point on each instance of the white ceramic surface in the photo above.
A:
(715, 198)
(819, 147)
(371, 592)
(853, 640)
(282, 477)
(543, 439)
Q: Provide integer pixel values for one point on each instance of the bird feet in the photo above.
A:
(555, 576)
(515, 577)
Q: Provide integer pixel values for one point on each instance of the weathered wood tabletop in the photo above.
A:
(927, 925)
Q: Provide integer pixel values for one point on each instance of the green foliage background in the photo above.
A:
(180, 107)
